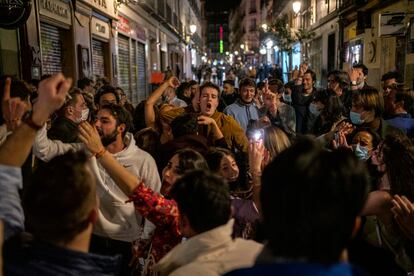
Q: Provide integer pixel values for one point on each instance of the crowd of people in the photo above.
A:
(269, 178)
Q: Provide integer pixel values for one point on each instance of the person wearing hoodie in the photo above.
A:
(118, 223)
(244, 110)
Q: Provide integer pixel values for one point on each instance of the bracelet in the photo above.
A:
(100, 153)
(29, 121)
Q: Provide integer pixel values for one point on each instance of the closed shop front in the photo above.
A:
(56, 40)
(142, 69)
(100, 48)
(124, 73)
(98, 58)
(131, 60)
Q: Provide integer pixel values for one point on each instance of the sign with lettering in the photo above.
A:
(107, 7)
(100, 28)
(123, 25)
(56, 9)
(14, 13)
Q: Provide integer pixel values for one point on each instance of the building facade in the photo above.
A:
(119, 40)
(345, 32)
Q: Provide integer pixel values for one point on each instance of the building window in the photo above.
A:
(331, 5)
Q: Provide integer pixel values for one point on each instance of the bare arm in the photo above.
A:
(256, 155)
(154, 97)
(52, 93)
(126, 181)
(378, 203)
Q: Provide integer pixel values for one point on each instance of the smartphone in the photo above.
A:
(257, 135)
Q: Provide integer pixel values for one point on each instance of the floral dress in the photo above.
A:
(163, 213)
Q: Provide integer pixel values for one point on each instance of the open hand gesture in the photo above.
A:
(89, 135)
(13, 108)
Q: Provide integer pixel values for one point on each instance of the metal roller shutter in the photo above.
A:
(123, 65)
(98, 57)
(134, 92)
(142, 69)
(52, 49)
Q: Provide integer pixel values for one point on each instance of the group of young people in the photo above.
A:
(268, 179)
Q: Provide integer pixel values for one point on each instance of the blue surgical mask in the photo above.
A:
(287, 98)
(355, 118)
(314, 109)
(360, 152)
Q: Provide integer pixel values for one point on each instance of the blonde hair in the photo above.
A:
(275, 140)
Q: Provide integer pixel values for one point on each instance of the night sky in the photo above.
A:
(212, 5)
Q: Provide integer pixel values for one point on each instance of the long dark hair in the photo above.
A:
(398, 155)
(190, 159)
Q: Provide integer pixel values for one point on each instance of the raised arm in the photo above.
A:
(126, 181)
(14, 151)
(149, 203)
(154, 97)
(52, 93)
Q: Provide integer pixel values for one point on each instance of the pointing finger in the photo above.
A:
(6, 92)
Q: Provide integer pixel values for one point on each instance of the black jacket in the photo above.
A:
(24, 256)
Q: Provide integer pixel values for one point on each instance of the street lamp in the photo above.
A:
(236, 53)
(242, 46)
(193, 29)
(264, 27)
(296, 5)
(262, 51)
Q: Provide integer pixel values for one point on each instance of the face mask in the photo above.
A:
(355, 118)
(287, 98)
(360, 152)
(85, 114)
(313, 109)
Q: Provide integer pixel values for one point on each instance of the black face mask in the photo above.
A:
(109, 139)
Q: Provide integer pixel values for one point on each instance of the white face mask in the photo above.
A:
(84, 116)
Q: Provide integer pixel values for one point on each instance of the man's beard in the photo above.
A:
(109, 138)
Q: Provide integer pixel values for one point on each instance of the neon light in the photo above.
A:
(221, 40)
